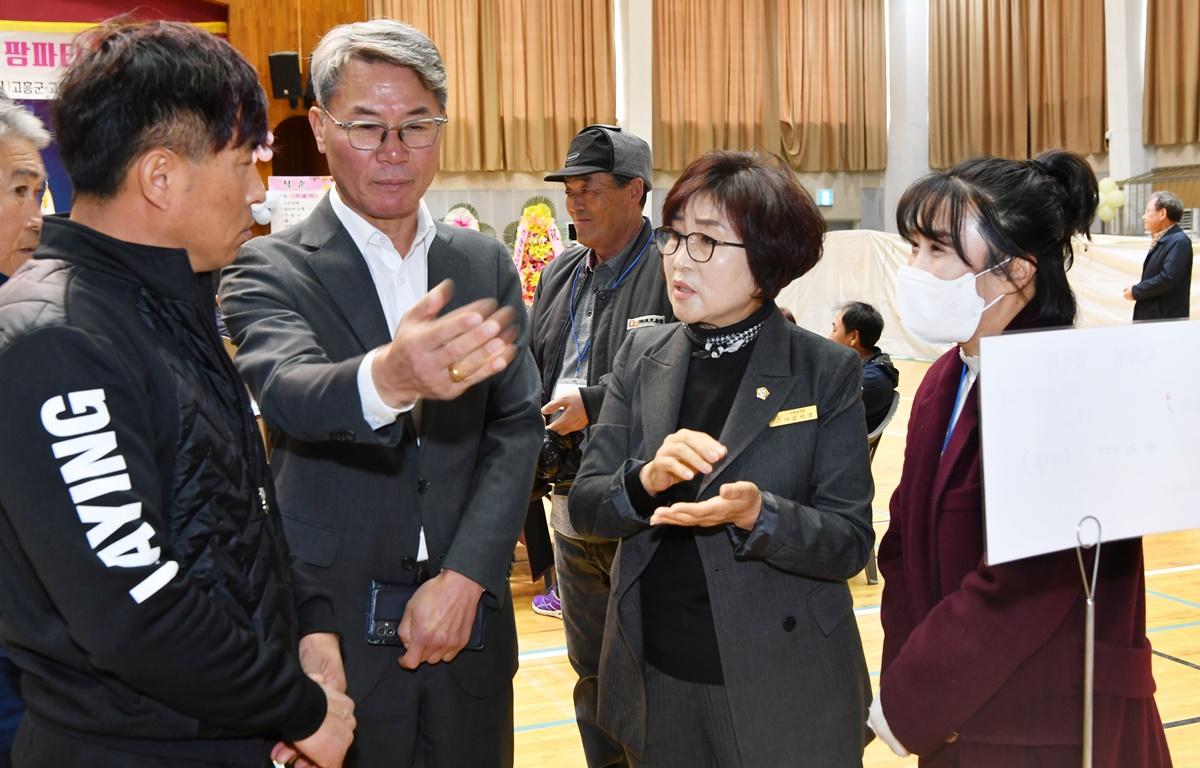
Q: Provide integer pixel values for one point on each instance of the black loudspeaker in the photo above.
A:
(285, 76)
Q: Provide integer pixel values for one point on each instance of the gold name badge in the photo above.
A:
(794, 416)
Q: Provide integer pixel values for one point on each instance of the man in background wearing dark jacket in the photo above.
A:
(588, 300)
(147, 597)
(858, 325)
(1165, 290)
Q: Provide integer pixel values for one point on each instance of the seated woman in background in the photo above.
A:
(983, 665)
(730, 458)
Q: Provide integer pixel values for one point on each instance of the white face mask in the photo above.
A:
(940, 311)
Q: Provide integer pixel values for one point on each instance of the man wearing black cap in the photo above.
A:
(587, 301)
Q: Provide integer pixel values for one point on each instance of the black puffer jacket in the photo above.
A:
(146, 595)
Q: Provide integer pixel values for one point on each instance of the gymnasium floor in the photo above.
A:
(544, 717)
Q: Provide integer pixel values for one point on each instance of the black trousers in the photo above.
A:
(37, 746)
(423, 718)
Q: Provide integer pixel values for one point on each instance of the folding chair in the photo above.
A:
(872, 444)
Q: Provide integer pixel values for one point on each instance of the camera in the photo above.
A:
(559, 458)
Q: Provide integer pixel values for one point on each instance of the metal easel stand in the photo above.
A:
(1089, 633)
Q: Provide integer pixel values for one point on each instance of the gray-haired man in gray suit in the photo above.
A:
(406, 436)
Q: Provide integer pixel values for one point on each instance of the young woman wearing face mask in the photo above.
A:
(730, 459)
(983, 665)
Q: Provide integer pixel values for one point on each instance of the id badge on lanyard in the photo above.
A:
(567, 384)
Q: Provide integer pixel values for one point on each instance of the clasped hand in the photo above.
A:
(682, 456)
(321, 658)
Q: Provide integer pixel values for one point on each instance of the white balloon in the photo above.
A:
(1106, 212)
(1118, 198)
(1107, 184)
(261, 213)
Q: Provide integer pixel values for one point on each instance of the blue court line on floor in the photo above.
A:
(542, 726)
(1169, 627)
(1172, 598)
(543, 653)
(876, 672)
(561, 723)
(863, 610)
(561, 650)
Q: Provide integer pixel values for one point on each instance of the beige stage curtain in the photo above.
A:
(714, 83)
(1068, 81)
(833, 84)
(524, 76)
(801, 78)
(1014, 77)
(1171, 98)
(557, 74)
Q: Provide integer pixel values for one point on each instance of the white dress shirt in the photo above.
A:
(400, 280)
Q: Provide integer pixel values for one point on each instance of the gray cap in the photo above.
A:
(606, 149)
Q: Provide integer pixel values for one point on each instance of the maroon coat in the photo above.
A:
(995, 654)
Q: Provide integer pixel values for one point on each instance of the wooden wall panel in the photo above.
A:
(260, 27)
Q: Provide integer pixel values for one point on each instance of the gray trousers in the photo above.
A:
(583, 584)
(688, 725)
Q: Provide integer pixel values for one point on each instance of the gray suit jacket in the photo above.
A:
(791, 655)
(303, 311)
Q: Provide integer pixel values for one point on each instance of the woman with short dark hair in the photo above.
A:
(983, 665)
(730, 458)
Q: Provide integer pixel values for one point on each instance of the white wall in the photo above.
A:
(908, 101)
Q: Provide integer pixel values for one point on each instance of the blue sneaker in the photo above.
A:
(548, 604)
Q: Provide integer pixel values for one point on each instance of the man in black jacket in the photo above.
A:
(588, 300)
(22, 176)
(1166, 285)
(859, 325)
(148, 598)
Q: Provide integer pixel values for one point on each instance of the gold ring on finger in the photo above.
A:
(456, 375)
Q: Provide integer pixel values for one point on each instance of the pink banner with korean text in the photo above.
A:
(32, 61)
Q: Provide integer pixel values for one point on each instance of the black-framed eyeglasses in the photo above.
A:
(700, 246)
(368, 135)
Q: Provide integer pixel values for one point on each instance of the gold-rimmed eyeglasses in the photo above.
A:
(368, 135)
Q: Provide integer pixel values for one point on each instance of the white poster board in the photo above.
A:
(299, 195)
(1089, 421)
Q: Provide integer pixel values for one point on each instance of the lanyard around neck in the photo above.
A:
(955, 411)
(581, 353)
